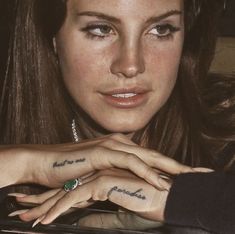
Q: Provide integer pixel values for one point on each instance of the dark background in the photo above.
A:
(227, 26)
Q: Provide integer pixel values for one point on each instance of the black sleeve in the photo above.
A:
(203, 200)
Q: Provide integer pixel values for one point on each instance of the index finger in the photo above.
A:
(153, 158)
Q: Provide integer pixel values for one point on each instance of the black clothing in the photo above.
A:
(203, 200)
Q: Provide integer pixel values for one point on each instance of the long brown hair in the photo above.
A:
(35, 107)
(183, 128)
(32, 107)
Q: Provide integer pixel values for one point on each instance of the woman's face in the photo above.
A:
(120, 58)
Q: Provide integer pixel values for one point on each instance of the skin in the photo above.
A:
(130, 53)
(97, 183)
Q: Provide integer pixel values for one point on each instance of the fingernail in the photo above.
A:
(18, 212)
(202, 169)
(16, 195)
(38, 221)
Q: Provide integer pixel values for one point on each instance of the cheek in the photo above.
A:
(82, 67)
(163, 65)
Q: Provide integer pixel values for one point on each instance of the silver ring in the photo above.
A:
(72, 184)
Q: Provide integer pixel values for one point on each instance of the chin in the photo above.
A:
(123, 127)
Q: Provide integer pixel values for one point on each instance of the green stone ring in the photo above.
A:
(72, 184)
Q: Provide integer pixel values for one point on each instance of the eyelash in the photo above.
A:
(91, 35)
(170, 31)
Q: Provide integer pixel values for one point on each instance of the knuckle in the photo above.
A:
(156, 156)
(31, 215)
(99, 157)
(154, 153)
(186, 169)
(118, 136)
(107, 143)
(131, 158)
(148, 173)
(97, 152)
(99, 193)
(25, 217)
(98, 148)
(36, 198)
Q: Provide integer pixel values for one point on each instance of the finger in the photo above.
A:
(119, 220)
(90, 143)
(42, 209)
(39, 198)
(73, 198)
(79, 163)
(129, 193)
(151, 158)
(110, 172)
(107, 158)
(122, 138)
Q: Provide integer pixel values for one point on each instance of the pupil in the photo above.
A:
(105, 29)
(162, 29)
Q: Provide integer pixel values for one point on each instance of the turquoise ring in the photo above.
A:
(72, 184)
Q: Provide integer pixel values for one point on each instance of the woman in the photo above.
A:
(133, 67)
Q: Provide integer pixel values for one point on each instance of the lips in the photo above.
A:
(126, 98)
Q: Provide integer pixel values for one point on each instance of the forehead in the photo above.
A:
(125, 8)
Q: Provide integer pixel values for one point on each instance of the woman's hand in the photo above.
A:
(113, 151)
(53, 165)
(118, 186)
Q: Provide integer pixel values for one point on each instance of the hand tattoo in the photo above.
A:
(124, 191)
(68, 162)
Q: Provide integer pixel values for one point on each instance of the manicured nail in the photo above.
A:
(18, 212)
(16, 195)
(202, 169)
(38, 221)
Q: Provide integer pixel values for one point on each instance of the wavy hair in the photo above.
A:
(35, 107)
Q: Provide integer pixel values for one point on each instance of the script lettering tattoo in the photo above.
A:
(124, 191)
(68, 162)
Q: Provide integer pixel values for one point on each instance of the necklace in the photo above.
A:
(74, 131)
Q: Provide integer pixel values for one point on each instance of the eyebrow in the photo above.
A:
(116, 20)
(99, 15)
(163, 16)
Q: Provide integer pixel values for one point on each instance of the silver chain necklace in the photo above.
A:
(74, 131)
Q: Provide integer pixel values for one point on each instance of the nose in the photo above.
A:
(129, 60)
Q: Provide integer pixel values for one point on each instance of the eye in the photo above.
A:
(98, 30)
(164, 30)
